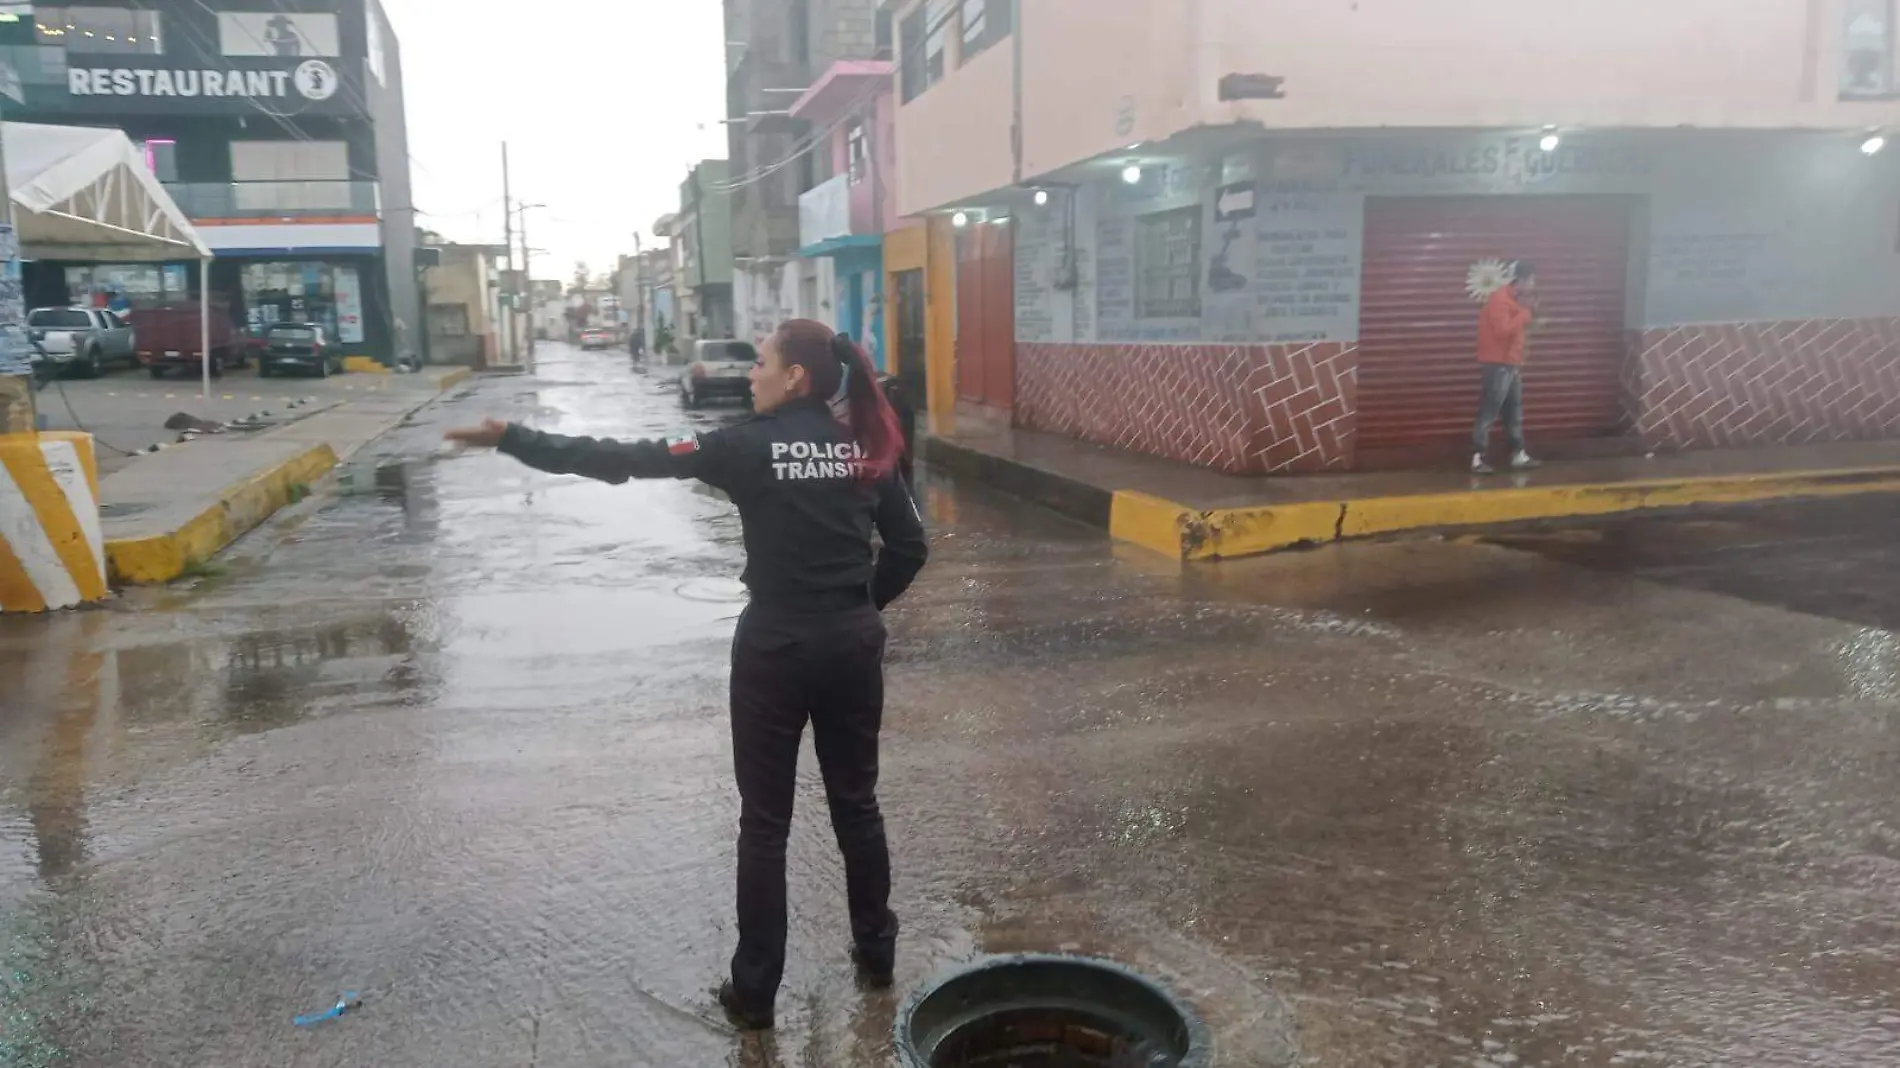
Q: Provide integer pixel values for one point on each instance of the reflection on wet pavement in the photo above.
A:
(455, 738)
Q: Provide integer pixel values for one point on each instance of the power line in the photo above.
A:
(759, 174)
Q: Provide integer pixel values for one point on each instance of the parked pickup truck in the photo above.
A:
(172, 336)
(84, 341)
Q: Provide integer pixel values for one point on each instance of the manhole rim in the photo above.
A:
(1200, 1051)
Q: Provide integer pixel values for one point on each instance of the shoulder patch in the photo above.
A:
(683, 446)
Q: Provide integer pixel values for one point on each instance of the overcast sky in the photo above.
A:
(604, 104)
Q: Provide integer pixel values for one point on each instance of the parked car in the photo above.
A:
(173, 336)
(719, 369)
(299, 347)
(85, 340)
(596, 339)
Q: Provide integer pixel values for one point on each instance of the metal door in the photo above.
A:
(1418, 329)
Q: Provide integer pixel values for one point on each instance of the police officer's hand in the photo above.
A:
(486, 436)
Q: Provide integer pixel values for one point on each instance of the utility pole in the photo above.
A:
(640, 287)
(508, 262)
(527, 291)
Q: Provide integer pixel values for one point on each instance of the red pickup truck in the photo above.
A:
(171, 337)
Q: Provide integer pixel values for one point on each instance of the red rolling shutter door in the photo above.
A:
(986, 315)
(1418, 329)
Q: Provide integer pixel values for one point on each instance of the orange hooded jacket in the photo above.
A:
(1501, 328)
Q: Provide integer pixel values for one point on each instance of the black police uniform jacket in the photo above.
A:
(807, 513)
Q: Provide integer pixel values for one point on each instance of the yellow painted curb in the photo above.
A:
(1382, 515)
(364, 365)
(164, 557)
(451, 379)
(1150, 522)
(1188, 534)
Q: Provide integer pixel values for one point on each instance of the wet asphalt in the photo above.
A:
(452, 736)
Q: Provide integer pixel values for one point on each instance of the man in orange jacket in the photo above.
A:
(1502, 326)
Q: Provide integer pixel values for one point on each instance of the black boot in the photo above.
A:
(739, 1014)
(876, 968)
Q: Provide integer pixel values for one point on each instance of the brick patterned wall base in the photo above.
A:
(1790, 382)
(1243, 409)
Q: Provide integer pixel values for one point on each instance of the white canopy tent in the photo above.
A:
(86, 193)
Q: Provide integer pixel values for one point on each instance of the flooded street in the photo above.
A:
(455, 739)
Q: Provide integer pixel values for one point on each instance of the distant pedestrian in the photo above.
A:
(812, 477)
(1502, 328)
(896, 391)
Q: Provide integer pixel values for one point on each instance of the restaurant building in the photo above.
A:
(278, 127)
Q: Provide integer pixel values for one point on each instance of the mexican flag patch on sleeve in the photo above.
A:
(683, 446)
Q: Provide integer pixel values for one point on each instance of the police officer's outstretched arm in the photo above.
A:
(701, 456)
(902, 531)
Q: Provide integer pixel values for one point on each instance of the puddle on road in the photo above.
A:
(461, 743)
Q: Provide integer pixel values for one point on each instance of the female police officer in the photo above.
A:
(812, 476)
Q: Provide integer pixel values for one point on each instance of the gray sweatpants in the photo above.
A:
(1503, 395)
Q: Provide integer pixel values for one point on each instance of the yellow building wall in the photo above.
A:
(940, 326)
(931, 247)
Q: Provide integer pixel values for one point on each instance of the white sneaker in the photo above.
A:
(1479, 467)
(1524, 461)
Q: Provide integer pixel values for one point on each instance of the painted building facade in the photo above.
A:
(1208, 252)
(704, 275)
(843, 219)
(279, 129)
(777, 51)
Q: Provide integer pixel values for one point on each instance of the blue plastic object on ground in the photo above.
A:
(343, 1004)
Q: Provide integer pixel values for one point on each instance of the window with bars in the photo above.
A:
(1168, 265)
(925, 41)
(911, 66)
(1867, 50)
(937, 17)
(856, 151)
(985, 22)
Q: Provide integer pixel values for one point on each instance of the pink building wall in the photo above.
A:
(873, 201)
(953, 141)
(1099, 75)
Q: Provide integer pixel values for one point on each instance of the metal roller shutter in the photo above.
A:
(1418, 329)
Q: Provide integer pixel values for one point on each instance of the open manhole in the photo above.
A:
(1049, 1012)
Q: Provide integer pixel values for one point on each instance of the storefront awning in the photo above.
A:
(833, 246)
(85, 193)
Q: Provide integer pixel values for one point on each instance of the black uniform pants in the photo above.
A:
(788, 667)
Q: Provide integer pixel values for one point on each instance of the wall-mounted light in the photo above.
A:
(1000, 220)
(1873, 144)
(1131, 174)
(1551, 139)
(960, 220)
(1042, 197)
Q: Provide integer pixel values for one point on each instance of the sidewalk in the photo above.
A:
(1192, 513)
(174, 509)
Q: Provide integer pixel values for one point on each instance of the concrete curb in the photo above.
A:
(1072, 497)
(1190, 534)
(239, 509)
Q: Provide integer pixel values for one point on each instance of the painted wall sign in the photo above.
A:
(313, 79)
(1505, 164)
(1234, 202)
